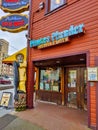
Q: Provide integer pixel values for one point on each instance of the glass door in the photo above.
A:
(75, 88)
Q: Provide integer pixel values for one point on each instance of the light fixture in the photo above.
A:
(27, 37)
(41, 5)
(58, 61)
(81, 59)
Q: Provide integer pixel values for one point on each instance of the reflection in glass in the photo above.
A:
(72, 99)
(50, 79)
(72, 78)
(55, 4)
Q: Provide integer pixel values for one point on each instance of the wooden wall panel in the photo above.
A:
(74, 13)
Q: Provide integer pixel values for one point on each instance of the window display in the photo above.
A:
(50, 79)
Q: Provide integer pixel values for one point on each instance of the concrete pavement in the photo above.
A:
(45, 116)
(50, 117)
(12, 122)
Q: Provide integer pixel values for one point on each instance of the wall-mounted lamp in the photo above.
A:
(27, 37)
(41, 5)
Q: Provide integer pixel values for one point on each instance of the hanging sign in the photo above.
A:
(92, 73)
(14, 22)
(14, 5)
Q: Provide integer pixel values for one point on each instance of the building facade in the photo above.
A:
(63, 46)
(3, 54)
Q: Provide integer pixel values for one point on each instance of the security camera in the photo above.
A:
(27, 37)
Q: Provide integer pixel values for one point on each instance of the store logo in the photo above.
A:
(14, 5)
(57, 37)
(14, 22)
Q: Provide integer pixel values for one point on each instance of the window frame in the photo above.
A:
(48, 6)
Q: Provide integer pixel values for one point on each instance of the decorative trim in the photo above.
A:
(88, 92)
(96, 64)
(64, 55)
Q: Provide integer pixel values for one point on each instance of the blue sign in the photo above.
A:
(14, 22)
(73, 30)
(14, 5)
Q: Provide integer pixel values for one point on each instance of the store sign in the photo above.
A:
(92, 73)
(14, 22)
(57, 36)
(14, 5)
(55, 42)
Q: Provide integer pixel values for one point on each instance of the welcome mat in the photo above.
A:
(5, 120)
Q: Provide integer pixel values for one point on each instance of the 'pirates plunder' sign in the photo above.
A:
(14, 5)
(14, 22)
(57, 37)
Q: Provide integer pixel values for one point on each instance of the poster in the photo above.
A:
(92, 73)
(5, 99)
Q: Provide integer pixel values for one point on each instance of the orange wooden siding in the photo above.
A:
(74, 13)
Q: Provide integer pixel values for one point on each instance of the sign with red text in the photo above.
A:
(14, 22)
(14, 5)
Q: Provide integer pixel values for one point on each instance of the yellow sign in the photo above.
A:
(60, 41)
(5, 99)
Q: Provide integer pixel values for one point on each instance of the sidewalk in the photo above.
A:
(49, 117)
(45, 116)
(11, 122)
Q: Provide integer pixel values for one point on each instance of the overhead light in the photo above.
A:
(82, 59)
(57, 61)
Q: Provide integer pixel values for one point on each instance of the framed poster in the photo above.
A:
(56, 88)
(5, 100)
(92, 73)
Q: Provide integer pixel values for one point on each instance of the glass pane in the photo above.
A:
(55, 4)
(72, 102)
(50, 79)
(72, 78)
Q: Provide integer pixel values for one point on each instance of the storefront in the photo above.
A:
(63, 44)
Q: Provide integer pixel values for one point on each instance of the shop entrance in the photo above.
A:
(76, 87)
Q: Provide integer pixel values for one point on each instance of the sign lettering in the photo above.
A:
(57, 36)
(14, 22)
(14, 5)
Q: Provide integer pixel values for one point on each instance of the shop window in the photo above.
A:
(50, 79)
(54, 4)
